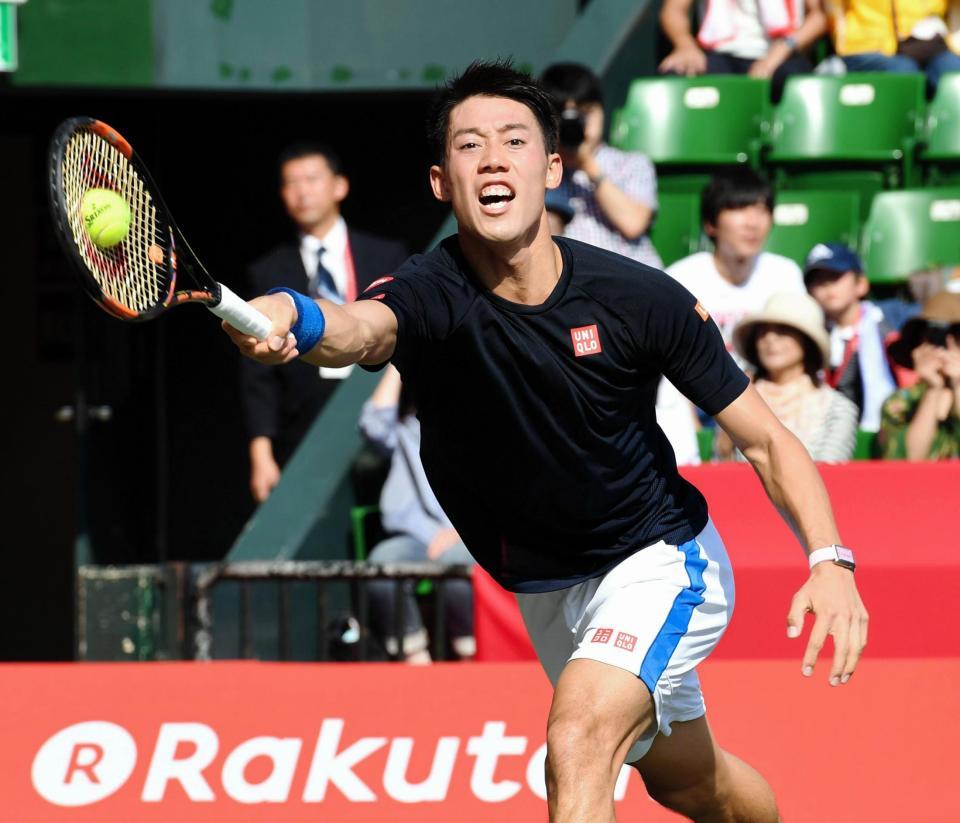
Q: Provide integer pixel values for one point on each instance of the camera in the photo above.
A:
(936, 332)
(572, 128)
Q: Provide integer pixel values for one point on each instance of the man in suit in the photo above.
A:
(327, 260)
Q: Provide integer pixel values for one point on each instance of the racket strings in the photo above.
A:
(134, 273)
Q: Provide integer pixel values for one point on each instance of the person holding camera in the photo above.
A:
(613, 193)
(923, 422)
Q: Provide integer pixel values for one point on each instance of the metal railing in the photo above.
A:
(322, 573)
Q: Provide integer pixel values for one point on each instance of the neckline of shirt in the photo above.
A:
(559, 289)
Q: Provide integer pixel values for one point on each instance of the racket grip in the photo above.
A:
(240, 314)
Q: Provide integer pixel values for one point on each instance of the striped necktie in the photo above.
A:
(323, 283)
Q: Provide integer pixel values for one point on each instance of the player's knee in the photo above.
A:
(578, 742)
(693, 800)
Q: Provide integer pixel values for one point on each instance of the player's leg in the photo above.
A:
(597, 714)
(690, 774)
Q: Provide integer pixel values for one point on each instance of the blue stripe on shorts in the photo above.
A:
(678, 618)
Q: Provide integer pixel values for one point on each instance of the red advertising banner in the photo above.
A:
(378, 742)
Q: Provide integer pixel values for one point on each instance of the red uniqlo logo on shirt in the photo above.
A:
(625, 641)
(586, 340)
(602, 635)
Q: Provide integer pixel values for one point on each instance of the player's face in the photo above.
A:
(311, 192)
(496, 170)
(741, 233)
(779, 347)
(836, 292)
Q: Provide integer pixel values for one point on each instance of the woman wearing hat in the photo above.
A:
(923, 422)
(787, 344)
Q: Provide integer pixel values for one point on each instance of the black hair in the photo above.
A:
(571, 81)
(297, 151)
(496, 78)
(812, 356)
(734, 188)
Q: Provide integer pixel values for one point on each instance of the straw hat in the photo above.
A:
(798, 311)
(942, 309)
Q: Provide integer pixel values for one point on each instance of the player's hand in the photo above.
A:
(280, 346)
(686, 62)
(831, 595)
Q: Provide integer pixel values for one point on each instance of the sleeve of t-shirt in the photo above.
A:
(680, 334)
(424, 303)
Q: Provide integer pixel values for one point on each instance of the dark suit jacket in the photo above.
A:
(281, 402)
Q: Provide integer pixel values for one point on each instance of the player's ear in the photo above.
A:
(438, 183)
(554, 170)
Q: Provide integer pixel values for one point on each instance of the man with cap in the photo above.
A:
(857, 366)
(923, 422)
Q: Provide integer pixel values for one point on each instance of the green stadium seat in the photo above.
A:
(676, 229)
(910, 231)
(690, 124)
(866, 447)
(941, 153)
(855, 132)
(801, 219)
(705, 443)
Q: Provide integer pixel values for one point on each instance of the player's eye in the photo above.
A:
(516, 141)
(468, 146)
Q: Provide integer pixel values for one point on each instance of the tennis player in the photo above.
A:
(534, 361)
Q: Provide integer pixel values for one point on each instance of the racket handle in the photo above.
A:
(240, 314)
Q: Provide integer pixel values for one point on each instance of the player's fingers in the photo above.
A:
(818, 637)
(854, 649)
(799, 607)
(840, 629)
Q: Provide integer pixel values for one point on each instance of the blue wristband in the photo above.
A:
(308, 329)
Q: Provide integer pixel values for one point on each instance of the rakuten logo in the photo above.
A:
(88, 762)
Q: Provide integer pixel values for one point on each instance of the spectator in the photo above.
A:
(787, 345)
(859, 333)
(559, 211)
(894, 35)
(737, 277)
(923, 422)
(762, 38)
(421, 531)
(613, 193)
(328, 260)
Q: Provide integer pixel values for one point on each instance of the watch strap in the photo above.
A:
(835, 553)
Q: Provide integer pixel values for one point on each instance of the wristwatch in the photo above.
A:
(790, 41)
(840, 555)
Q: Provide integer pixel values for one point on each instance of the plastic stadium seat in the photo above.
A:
(801, 219)
(861, 127)
(695, 121)
(910, 231)
(941, 153)
(676, 229)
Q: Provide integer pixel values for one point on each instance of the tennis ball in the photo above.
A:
(106, 216)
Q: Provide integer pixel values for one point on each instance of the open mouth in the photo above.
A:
(496, 197)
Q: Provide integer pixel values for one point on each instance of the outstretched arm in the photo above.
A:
(363, 332)
(793, 484)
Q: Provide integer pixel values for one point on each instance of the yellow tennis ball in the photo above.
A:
(106, 217)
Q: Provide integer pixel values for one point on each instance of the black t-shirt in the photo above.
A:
(538, 424)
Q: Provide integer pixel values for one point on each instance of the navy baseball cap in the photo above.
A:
(832, 257)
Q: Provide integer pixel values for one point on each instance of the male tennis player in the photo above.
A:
(534, 361)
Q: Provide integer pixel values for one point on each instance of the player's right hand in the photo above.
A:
(687, 62)
(280, 346)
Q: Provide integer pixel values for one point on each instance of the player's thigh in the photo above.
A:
(598, 710)
(688, 760)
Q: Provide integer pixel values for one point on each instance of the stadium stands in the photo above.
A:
(676, 229)
(801, 219)
(940, 155)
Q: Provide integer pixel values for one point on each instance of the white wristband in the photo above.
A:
(834, 553)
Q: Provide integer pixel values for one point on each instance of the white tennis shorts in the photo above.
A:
(657, 614)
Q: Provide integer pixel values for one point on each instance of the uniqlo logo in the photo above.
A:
(586, 340)
(602, 635)
(625, 641)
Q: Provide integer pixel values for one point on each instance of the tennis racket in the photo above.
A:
(138, 278)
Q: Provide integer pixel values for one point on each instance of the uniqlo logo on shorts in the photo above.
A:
(602, 635)
(586, 340)
(625, 641)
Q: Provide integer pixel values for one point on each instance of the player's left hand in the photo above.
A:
(831, 595)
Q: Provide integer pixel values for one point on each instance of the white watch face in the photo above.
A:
(843, 553)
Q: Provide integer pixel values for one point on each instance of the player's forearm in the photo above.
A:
(795, 487)
(349, 337)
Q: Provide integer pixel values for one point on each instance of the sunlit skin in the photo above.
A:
(839, 295)
(739, 236)
(494, 175)
(312, 193)
(780, 352)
